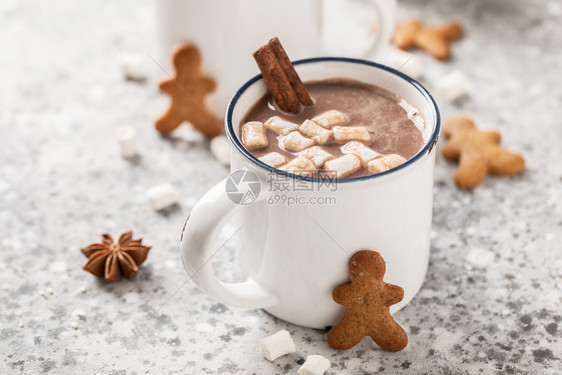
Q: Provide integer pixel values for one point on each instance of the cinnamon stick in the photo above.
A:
(290, 71)
(276, 80)
(281, 78)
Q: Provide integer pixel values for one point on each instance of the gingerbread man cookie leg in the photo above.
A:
(506, 163)
(351, 330)
(393, 338)
(471, 172)
(450, 30)
(187, 90)
(367, 299)
(169, 121)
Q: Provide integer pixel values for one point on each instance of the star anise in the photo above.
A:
(111, 260)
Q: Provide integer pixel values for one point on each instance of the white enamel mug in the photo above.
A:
(294, 255)
(227, 31)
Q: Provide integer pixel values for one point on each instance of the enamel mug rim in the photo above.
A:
(426, 150)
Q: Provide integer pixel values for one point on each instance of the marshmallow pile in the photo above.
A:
(281, 343)
(305, 141)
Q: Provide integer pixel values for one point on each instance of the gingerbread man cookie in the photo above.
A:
(367, 298)
(478, 153)
(187, 89)
(433, 40)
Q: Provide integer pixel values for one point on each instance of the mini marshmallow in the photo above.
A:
(314, 365)
(452, 86)
(317, 155)
(302, 166)
(315, 131)
(127, 145)
(330, 118)
(344, 165)
(406, 62)
(162, 196)
(280, 126)
(220, 148)
(253, 135)
(344, 134)
(365, 153)
(274, 159)
(277, 345)
(385, 163)
(133, 66)
(296, 142)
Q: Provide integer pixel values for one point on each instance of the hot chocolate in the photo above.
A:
(352, 129)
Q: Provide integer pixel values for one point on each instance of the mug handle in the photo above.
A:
(200, 233)
(386, 10)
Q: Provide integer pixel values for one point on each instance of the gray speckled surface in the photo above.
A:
(492, 298)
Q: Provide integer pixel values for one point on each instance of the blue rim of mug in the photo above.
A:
(424, 151)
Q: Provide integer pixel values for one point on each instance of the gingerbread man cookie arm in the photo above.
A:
(341, 294)
(168, 86)
(452, 149)
(492, 136)
(394, 293)
(209, 84)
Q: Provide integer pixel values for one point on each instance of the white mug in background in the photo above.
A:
(294, 255)
(226, 32)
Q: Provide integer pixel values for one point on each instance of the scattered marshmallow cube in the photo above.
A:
(406, 62)
(344, 165)
(302, 166)
(385, 163)
(162, 196)
(277, 345)
(295, 141)
(127, 144)
(274, 159)
(133, 66)
(314, 365)
(317, 155)
(253, 135)
(365, 153)
(452, 86)
(280, 126)
(343, 134)
(315, 131)
(220, 148)
(330, 118)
